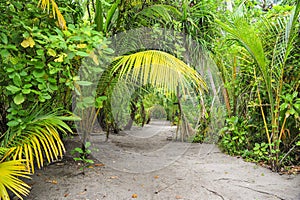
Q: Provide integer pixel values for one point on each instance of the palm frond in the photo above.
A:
(39, 140)
(248, 38)
(160, 69)
(45, 4)
(10, 171)
(285, 37)
(164, 13)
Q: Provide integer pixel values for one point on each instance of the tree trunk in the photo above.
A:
(133, 109)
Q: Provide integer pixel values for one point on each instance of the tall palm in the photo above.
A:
(271, 64)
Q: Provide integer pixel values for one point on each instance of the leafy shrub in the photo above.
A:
(234, 136)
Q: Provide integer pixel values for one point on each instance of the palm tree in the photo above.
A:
(271, 64)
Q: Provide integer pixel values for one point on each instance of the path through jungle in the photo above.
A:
(145, 164)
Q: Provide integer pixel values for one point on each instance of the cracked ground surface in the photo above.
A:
(143, 164)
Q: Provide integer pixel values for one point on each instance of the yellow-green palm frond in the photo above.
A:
(159, 69)
(9, 173)
(45, 4)
(38, 140)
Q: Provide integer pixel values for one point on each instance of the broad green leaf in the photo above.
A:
(39, 73)
(81, 53)
(27, 85)
(19, 98)
(53, 87)
(12, 123)
(40, 52)
(26, 91)
(4, 53)
(14, 60)
(9, 70)
(13, 88)
(4, 38)
(17, 80)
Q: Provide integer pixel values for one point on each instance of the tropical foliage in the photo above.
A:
(51, 50)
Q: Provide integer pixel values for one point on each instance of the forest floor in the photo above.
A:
(144, 164)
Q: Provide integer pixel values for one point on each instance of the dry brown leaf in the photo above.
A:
(114, 177)
(178, 197)
(156, 177)
(67, 194)
(99, 165)
(134, 196)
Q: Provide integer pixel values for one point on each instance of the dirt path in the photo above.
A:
(142, 163)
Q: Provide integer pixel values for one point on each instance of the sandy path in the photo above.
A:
(145, 163)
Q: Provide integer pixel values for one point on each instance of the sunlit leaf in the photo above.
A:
(28, 42)
(10, 171)
(19, 98)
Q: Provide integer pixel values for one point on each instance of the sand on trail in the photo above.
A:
(143, 164)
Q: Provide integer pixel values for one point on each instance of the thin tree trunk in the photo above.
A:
(133, 109)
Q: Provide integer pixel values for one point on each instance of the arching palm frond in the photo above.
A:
(160, 69)
(271, 59)
(248, 38)
(10, 171)
(37, 139)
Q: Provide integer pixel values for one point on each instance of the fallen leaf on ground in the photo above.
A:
(114, 177)
(60, 164)
(81, 193)
(156, 177)
(134, 196)
(99, 165)
(67, 194)
(178, 197)
(52, 181)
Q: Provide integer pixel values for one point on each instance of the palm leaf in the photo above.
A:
(110, 15)
(248, 38)
(10, 171)
(285, 36)
(160, 69)
(163, 13)
(45, 4)
(39, 140)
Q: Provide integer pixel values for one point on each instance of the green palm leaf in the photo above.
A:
(158, 12)
(10, 171)
(248, 38)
